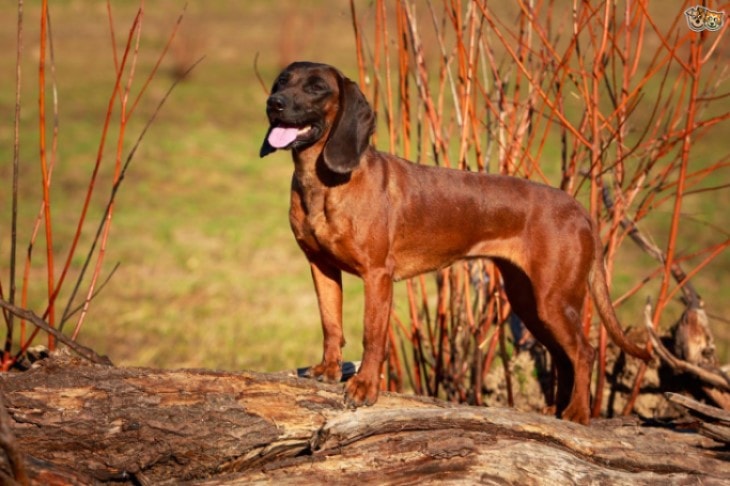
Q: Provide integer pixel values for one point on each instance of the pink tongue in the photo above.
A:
(280, 137)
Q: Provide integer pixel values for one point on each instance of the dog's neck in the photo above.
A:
(305, 165)
(312, 173)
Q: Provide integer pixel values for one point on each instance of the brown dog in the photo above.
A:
(383, 218)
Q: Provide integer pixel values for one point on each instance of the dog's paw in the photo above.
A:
(549, 410)
(326, 372)
(361, 391)
(577, 414)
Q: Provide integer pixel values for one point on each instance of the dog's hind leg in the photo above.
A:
(554, 320)
(574, 359)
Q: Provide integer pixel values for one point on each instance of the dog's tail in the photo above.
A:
(602, 299)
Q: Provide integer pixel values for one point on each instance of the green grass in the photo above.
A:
(210, 275)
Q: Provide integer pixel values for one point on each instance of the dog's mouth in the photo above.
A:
(283, 136)
(293, 133)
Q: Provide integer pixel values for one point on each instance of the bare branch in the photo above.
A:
(714, 378)
(34, 319)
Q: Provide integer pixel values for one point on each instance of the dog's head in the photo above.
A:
(315, 105)
(713, 20)
(695, 18)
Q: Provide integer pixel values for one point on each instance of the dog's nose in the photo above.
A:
(276, 103)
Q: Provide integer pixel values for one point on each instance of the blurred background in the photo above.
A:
(209, 273)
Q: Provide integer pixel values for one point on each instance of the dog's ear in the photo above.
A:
(266, 147)
(351, 131)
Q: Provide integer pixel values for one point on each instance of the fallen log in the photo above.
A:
(713, 422)
(80, 423)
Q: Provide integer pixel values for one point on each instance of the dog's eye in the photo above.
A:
(281, 81)
(316, 85)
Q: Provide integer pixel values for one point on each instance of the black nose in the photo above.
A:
(276, 103)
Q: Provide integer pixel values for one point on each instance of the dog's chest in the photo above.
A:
(315, 220)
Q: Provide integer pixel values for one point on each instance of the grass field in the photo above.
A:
(210, 275)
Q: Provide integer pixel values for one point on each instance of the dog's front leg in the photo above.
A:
(328, 284)
(363, 388)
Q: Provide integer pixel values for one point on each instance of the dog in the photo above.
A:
(354, 209)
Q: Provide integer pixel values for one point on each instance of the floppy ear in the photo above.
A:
(352, 128)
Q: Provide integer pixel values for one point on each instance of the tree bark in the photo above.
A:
(80, 423)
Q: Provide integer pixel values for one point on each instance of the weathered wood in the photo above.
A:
(146, 426)
(715, 422)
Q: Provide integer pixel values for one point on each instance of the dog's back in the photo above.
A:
(478, 211)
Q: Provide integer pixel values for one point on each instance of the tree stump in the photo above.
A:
(80, 423)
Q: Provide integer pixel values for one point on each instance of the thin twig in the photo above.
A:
(44, 167)
(162, 55)
(96, 292)
(41, 210)
(257, 73)
(690, 294)
(37, 321)
(125, 167)
(16, 171)
(94, 174)
(124, 118)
